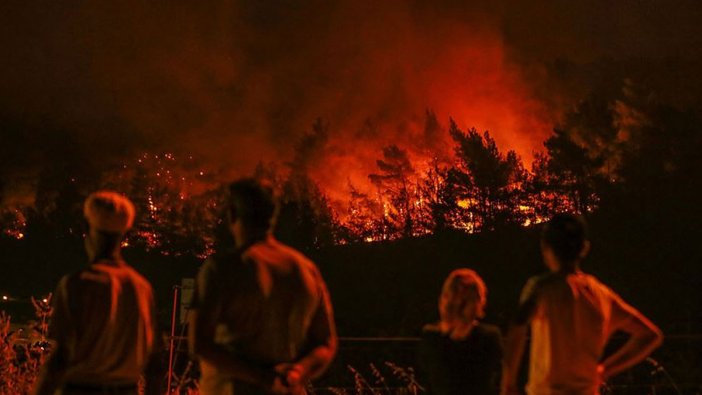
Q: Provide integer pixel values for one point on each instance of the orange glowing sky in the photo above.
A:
(238, 82)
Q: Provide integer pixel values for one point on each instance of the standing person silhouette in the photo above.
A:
(572, 316)
(104, 324)
(459, 354)
(261, 320)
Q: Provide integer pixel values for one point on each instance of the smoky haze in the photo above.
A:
(238, 83)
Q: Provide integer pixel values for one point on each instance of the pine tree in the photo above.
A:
(398, 190)
(489, 182)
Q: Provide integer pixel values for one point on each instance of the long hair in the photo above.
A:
(463, 299)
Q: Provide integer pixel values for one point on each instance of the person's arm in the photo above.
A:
(322, 342)
(51, 374)
(426, 359)
(153, 372)
(515, 339)
(201, 334)
(515, 342)
(495, 359)
(644, 337)
(52, 371)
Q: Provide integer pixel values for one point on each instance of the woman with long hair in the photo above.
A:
(459, 354)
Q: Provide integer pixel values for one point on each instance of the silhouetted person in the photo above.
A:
(103, 323)
(261, 321)
(459, 354)
(572, 316)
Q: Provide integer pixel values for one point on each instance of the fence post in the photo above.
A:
(171, 346)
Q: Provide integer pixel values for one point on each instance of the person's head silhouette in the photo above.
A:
(252, 210)
(564, 242)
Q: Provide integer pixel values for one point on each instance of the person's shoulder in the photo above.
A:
(71, 277)
(136, 278)
(220, 262)
(489, 330)
(290, 251)
(592, 279)
(538, 282)
(546, 280)
(431, 329)
(66, 282)
(82, 281)
(85, 276)
(596, 284)
(296, 256)
(491, 335)
(226, 256)
(541, 285)
(432, 333)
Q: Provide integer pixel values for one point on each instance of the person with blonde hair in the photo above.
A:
(459, 354)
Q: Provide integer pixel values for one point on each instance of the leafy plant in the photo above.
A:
(22, 354)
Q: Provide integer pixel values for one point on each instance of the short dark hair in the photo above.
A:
(253, 203)
(566, 235)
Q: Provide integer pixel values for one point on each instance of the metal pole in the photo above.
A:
(171, 351)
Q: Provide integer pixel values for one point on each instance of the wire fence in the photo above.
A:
(381, 365)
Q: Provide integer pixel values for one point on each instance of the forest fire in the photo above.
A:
(433, 179)
(392, 152)
(401, 198)
(436, 178)
(405, 141)
(14, 224)
(379, 163)
(405, 199)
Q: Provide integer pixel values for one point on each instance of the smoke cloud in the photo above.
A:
(239, 82)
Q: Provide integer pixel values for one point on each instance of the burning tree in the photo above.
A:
(177, 203)
(306, 220)
(440, 199)
(398, 191)
(366, 220)
(568, 176)
(414, 191)
(489, 183)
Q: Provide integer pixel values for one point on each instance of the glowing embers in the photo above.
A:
(176, 203)
(14, 224)
(405, 195)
